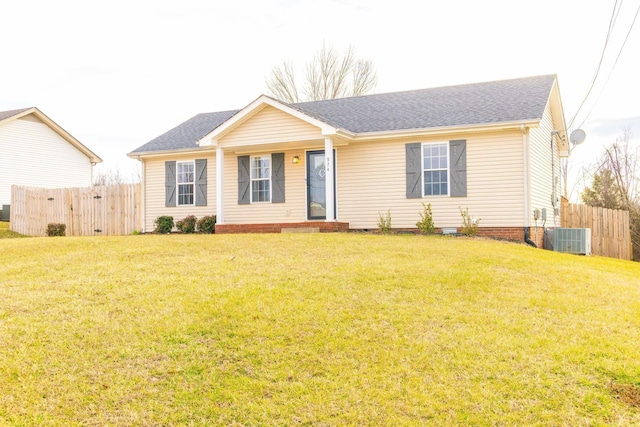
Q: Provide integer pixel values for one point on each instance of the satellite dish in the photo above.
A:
(577, 137)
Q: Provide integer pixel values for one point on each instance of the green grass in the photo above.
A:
(5, 233)
(314, 329)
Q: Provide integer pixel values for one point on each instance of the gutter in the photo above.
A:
(446, 129)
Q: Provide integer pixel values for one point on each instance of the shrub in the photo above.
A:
(164, 224)
(187, 225)
(55, 229)
(207, 224)
(384, 223)
(425, 225)
(469, 224)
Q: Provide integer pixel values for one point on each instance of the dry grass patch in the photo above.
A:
(628, 393)
(315, 329)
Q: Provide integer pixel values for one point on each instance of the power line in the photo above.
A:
(612, 21)
(614, 64)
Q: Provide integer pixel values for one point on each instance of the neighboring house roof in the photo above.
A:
(6, 116)
(11, 113)
(505, 101)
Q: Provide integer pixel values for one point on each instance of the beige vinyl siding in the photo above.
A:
(292, 210)
(371, 180)
(154, 193)
(540, 163)
(36, 156)
(270, 125)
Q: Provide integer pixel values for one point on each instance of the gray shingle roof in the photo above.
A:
(502, 101)
(187, 134)
(11, 113)
(470, 104)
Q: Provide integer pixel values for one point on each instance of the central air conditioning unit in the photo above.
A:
(572, 240)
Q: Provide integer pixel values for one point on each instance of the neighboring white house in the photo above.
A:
(338, 164)
(37, 152)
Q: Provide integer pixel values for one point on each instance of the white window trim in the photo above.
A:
(252, 179)
(192, 183)
(424, 144)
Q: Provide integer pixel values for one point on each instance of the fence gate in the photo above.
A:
(87, 211)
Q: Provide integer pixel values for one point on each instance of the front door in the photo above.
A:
(316, 195)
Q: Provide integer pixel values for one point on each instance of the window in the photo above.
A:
(435, 164)
(186, 184)
(261, 178)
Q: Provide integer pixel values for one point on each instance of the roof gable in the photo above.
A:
(270, 125)
(254, 108)
(6, 116)
(515, 101)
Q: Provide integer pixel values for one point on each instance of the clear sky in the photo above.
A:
(116, 74)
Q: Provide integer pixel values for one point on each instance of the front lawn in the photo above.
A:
(5, 233)
(314, 329)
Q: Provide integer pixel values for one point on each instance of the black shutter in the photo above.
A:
(277, 177)
(170, 183)
(201, 182)
(414, 170)
(458, 173)
(244, 181)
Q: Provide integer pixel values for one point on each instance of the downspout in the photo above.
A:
(143, 208)
(527, 178)
(527, 239)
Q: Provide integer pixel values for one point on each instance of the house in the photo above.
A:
(37, 152)
(493, 148)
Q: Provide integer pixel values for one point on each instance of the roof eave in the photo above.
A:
(484, 127)
(138, 155)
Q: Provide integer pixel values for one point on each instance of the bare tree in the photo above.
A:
(115, 177)
(328, 75)
(282, 83)
(622, 159)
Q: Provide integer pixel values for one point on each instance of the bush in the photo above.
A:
(164, 224)
(425, 225)
(207, 224)
(187, 225)
(55, 229)
(384, 223)
(469, 224)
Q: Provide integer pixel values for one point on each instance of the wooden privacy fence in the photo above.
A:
(106, 210)
(610, 229)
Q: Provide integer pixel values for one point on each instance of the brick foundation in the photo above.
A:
(277, 227)
(504, 233)
(515, 234)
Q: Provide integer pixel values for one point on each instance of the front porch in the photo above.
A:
(322, 226)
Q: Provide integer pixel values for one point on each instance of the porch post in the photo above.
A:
(219, 185)
(329, 167)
